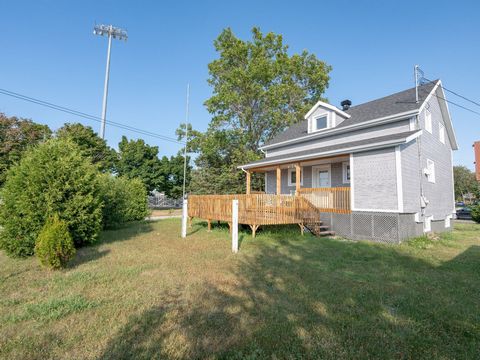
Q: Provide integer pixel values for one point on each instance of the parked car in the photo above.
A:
(464, 214)
(460, 204)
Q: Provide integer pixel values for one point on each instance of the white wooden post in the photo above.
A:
(184, 218)
(235, 226)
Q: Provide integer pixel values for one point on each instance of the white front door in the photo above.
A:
(321, 176)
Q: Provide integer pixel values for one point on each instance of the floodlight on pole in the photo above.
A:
(116, 33)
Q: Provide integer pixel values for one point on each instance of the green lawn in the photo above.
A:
(146, 293)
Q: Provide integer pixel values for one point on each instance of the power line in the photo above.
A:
(87, 116)
(455, 93)
(455, 104)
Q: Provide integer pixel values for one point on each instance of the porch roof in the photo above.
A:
(337, 149)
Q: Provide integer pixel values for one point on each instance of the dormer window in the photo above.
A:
(321, 122)
(323, 116)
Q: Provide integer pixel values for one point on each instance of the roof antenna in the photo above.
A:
(415, 73)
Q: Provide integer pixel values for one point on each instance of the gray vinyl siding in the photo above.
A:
(271, 176)
(375, 180)
(440, 193)
(410, 177)
(381, 130)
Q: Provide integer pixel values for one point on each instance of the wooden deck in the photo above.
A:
(269, 209)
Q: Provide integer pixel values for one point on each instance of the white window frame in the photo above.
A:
(428, 121)
(441, 133)
(344, 172)
(427, 223)
(430, 171)
(313, 122)
(289, 180)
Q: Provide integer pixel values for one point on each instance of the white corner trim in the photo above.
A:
(352, 184)
(329, 107)
(398, 167)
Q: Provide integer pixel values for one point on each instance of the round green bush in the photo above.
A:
(54, 247)
(52, 178)
(476, 213)
(124, 200)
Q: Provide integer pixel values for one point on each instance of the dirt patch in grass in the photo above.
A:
(166, 212)
(144, 292)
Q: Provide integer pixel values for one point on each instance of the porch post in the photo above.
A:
(297, 176)
(279, 180)
(248, 182)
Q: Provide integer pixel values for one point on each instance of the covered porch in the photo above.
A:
(324, 182)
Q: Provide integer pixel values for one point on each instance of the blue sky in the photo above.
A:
(49, 52)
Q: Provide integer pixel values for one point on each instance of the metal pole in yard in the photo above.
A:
(235, 226)
(184, 218)
(186, 142)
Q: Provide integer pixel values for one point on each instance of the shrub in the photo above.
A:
(124, 200)
(52, 178)
(54, 247)
(476, 213)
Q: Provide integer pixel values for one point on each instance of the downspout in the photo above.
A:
(423, 201)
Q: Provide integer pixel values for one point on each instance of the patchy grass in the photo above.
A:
(146, 293)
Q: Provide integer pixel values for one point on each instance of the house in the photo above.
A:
(390, 158)
(476, 151)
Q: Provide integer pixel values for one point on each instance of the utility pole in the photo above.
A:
(116, 33)
(186, 142)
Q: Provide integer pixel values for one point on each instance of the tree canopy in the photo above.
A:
(90, 144)
(258, 91)
(16, 136)
(465, 182)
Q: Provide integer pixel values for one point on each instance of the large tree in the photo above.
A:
(90, 144)
(16, 135)
(465, 182)
(136, 159)
(258, 91)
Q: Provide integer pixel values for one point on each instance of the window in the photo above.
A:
(346, 173)
(430, 171)
(292, 177)
(428, 121)
(321, 122)
(441, 133)
(427, 223)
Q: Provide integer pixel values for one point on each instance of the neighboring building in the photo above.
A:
(476, 150)
(393, 154)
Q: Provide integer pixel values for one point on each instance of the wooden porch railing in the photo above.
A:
(270, 209)
(253, 209)
(335, 200)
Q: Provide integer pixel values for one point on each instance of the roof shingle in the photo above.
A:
(389, 105)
